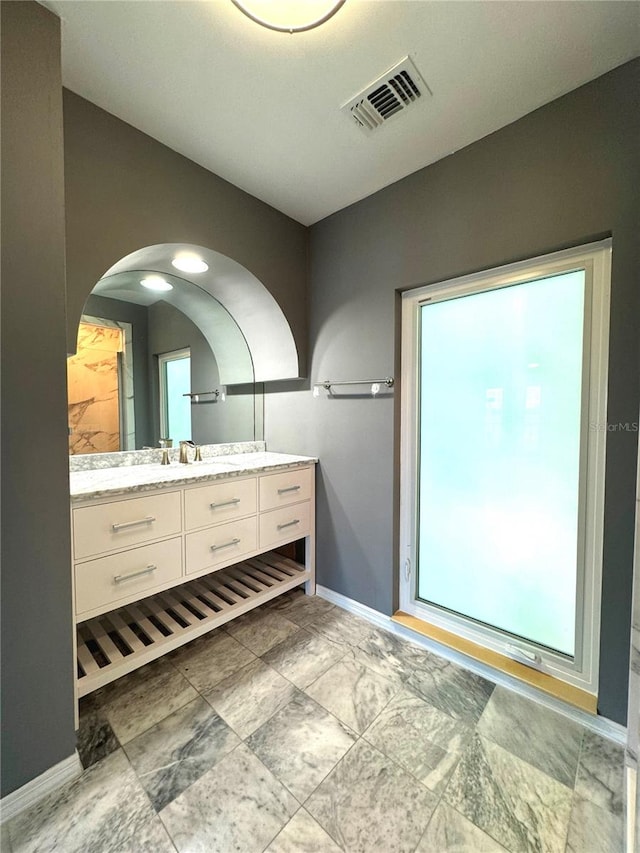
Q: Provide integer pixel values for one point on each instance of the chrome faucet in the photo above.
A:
(184, 457)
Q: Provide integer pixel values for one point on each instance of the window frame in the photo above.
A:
(595, 258)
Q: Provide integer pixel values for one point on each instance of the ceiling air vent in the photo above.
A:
(391, 94)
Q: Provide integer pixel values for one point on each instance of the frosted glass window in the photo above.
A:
(500, 396)
(175, 379)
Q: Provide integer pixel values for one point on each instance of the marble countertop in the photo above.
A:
(126, 480)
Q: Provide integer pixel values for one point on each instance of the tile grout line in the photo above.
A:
(601, 726)
(359, 737)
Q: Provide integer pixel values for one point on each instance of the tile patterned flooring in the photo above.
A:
(300, 728)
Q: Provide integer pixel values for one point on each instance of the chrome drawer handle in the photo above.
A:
(149, 519)
(289, 489)
(289, 524)
(225, 503)
(224, 544)
(147, 571)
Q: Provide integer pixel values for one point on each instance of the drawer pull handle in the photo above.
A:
(289, 524)
(225, 544)
(149, 519)
(122, 578)
(225, 503)
(289, 489)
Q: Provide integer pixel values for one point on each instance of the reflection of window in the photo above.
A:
(175, 382)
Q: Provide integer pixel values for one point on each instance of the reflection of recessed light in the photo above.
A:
(187, 262)
(532, 365)
(156, 282)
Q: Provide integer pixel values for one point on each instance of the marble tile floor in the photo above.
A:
(302, 728)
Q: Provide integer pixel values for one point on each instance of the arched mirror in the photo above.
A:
(168, 355)
(158, 358)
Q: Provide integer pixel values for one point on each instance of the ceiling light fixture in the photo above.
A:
(156, 282)
(289, 16)
(188, 262)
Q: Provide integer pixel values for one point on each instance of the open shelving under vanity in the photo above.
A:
(164, 554)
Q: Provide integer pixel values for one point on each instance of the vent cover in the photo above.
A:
(391, 94)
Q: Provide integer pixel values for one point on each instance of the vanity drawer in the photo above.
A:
(221, 545)
(284, 525)
(220, 502)
(286, 488)
(124, 524)
(132, 575)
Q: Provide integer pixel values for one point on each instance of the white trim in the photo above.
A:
(633, 703)
(368, 613)
(595, 258)
(600, 725)
(37, 789)
(630, 799)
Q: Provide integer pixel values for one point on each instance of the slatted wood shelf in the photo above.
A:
(120, 641)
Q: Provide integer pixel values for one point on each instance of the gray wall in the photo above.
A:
(212, 421)
(37, 660)
(119, 190)
(136, 315)
(563, 175)
(124, 190)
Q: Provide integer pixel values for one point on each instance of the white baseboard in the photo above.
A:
(379, 619)
(37, 789)
(600, 725)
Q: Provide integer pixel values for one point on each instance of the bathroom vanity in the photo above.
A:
(164, 554)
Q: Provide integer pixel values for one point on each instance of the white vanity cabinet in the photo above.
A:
(154, 570)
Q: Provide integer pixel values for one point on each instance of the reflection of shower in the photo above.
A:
(100, 388)
(93, 390)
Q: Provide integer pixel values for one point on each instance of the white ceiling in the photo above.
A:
(262, 109)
